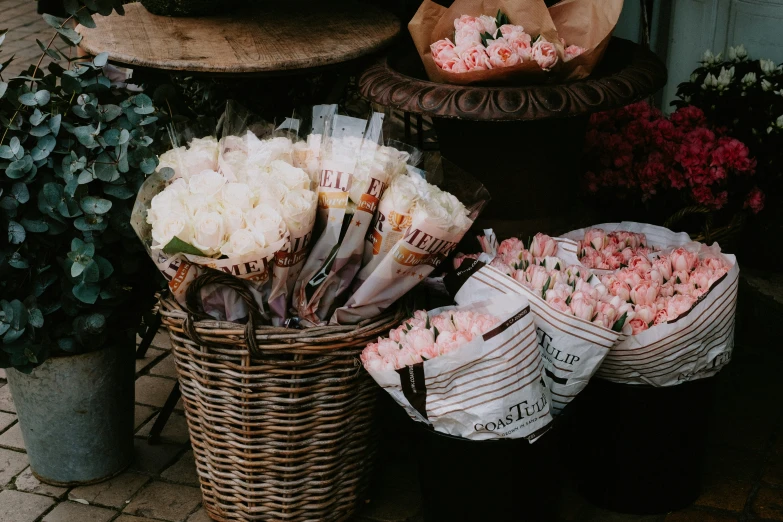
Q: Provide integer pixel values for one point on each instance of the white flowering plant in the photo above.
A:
(744, 97)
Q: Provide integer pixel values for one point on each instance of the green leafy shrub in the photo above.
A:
(73, 154)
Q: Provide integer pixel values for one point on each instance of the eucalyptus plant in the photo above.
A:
(73, 153)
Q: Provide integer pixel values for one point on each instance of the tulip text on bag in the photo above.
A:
(472, 371)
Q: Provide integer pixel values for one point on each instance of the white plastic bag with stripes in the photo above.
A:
(572, 348)
(489, 388)
(696, 345)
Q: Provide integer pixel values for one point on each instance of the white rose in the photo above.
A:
(209, 232)
(240, 243)
(164, 203)
(307, 159)
(233, 165)
(266, 224)
(292, 177)
(173, 159)
(202, 155)
(299, 208)
(171, 225)
(402, 193)
(234, 144)
(206, 182)
(256, 177)
(196, 203)
(266, 151)
(433, 213)
(443, 210)
(237, 195)
(233, 218)
(271, 192)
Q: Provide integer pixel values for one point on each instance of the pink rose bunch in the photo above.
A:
(660, 289)
(613, 250)
(637, 152)
(483, 43)
(571, 51)
(563, 287)
(422, 338)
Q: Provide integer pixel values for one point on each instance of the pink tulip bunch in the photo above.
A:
(613, 250)
(422, 338)
(566, 288)
(664, 288)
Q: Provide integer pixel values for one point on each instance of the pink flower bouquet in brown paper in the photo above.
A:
(503, 41)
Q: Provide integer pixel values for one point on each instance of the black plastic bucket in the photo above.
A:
(641, 449)
(471, 481)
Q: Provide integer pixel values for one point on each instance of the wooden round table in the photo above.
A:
(270, 37)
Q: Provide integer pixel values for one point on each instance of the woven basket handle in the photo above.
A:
(195, 307)
(689, 211)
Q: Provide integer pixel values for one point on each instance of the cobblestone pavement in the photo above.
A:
(25, 26)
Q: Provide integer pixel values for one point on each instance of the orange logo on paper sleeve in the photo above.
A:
(399, 222)
(180, 276)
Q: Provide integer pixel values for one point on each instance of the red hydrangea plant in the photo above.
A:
(640, 153)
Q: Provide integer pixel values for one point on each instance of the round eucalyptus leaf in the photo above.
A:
(93, 205)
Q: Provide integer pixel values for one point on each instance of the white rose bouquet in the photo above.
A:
(248, 206)
(318, 296)
(417, 226)
(234, 205)
(344, 142)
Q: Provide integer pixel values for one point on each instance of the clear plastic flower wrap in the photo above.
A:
(233, 204)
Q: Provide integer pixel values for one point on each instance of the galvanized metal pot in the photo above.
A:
(76, 415)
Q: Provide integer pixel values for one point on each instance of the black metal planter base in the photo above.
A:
(470, 481)
(642, 448)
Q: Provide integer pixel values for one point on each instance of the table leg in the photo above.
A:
(163, 416)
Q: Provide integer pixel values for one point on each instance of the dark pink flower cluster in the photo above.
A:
(639, 149)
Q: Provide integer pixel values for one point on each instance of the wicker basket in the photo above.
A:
(728, 236)
(281, 422)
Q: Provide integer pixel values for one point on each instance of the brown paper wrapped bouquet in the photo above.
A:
(498, 41)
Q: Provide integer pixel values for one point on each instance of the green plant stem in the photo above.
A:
(37, 66)
(10, 122)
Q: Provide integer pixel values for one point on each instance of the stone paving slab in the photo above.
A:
(72, 511)
(27, 482)
(165, 501)
(25, 26)
(115, 493)
(17, 506)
